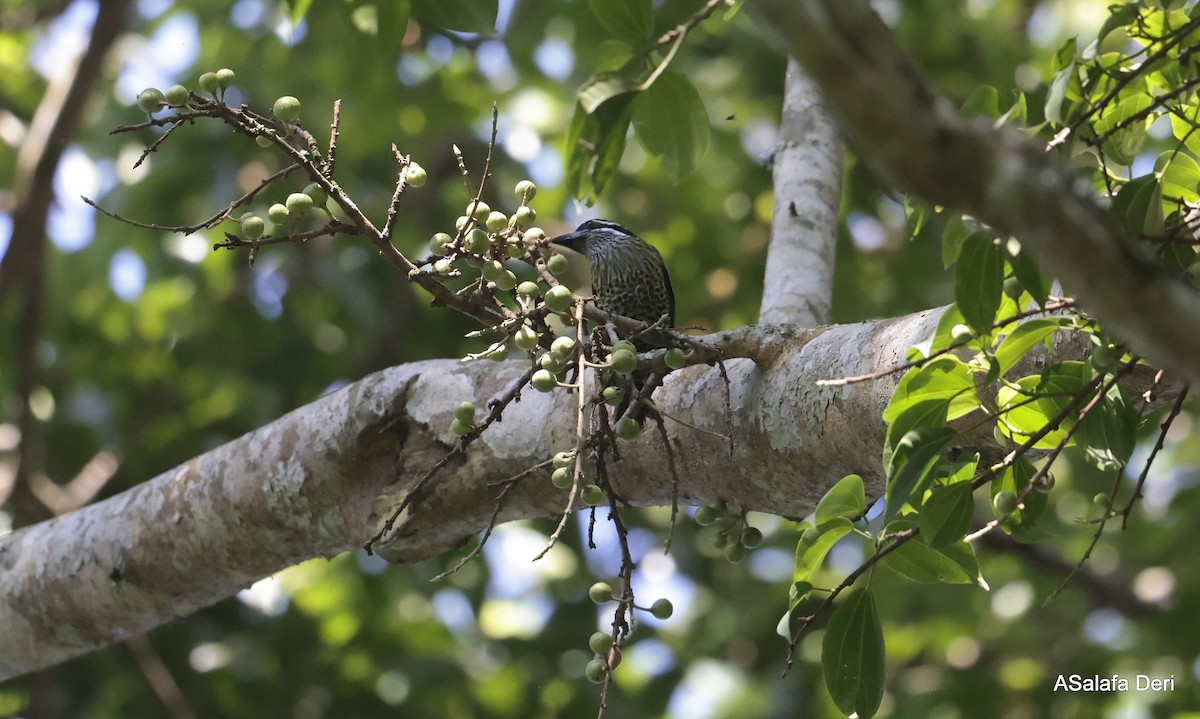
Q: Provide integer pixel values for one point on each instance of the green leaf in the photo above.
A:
(1021, 524)
(985, 100)
(911, 467)
(922, 413)
(946, 378)
(1180, 175)
(1056, 95)
(1107, 433)
(815, 543)
(796, 594)
(1121, 15)
(458, 15)
(844, 499)
(1140, 203)
(672, 124)
(299, 10)
(918, 562)
(629, 20)
(945, 516)
(1027, 334)
(852, 655)
(1027, 405)
(595, 143)
(979, 281)
(1030, 276)
(953, 237)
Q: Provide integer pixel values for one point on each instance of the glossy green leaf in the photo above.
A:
(1119, 16)
(953, 237)
(1021, 524)
(1140, 203)
(672, 124)
(979, 281)
(918, 562)
(1108, 432)
(1180, 175)
(985, 100)
(815, 543)
(945, 516)
(595, 143)
(1030, 403)
(852, 655)
(629, 20)
(943, 378)
(844, 499)
(1025, 337)
(910, 469)
(922, 413)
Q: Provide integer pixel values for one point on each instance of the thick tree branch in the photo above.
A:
(928, 148)
(798, 286)
(320, 480)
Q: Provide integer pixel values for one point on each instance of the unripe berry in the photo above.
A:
(225, 77)
(623, 345)
(600, 592)
(1005, 502)
(440, 244)
(480, 210)
(524, 216)
(595, 671)
(533, 234)
(675, 358)
(415, 175)
(263, 141)
(562, 346)
(525, 190)
(562, 478)
(526, 338)
(498, 353)
(1046, 483)
(151, 100)
(552, 363)
(496, 221)
(252, 227)
(177, 95)
(506, 281)
(662, 608)
(209, 82)
(492, 269)
(592, 495)
(562, 459)
(459, 427)
(477, 242)
(443, 266)
(557, 264)
(628, 429)
(1012, 288)
(960, 333)
(751, 537)
(706, 515)
(299, 204)
(465, 412)
(278, 214)
(623, 361)
(735, 552)
(543, 381)
(515, 249)
(720, 540)
(600, 642)
(1100, 500)
(613, 395)
(286, 109)
(317, 193)
(529, 289)
(461, 222)
(558, 298)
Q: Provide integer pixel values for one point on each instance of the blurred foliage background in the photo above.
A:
(156, 348)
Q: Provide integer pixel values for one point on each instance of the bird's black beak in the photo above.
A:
(572, 241)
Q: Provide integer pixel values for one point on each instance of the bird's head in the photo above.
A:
(594, 236)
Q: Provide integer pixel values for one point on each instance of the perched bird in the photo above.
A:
(628, 278)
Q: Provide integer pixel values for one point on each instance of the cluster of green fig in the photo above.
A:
(608, 655)
(734, 534)
(486, 238)
(151, 100)
(562, 475)
(288, 215)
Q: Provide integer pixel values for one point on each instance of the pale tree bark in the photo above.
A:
(926, 147)
(798, 286)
